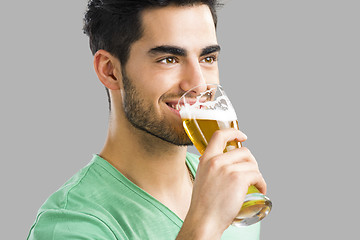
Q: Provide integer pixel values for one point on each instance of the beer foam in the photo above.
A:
(188, 112)
(219, 109)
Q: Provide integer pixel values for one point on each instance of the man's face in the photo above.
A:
(178, 51)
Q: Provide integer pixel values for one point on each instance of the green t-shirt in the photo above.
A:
(100, 203)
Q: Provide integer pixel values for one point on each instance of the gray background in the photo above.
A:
(290, 67)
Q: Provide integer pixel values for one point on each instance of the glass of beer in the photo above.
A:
(204, 110)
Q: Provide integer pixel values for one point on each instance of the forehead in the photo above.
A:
(185, 26)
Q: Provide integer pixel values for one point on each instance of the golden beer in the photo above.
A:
(201, 119)
(201, 130)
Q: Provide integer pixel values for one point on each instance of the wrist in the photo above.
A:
(198, 227)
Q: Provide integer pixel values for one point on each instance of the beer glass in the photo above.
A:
(205, 109)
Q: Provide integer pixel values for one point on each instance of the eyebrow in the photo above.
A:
(168, 49)
(210, 49)
(181, 51)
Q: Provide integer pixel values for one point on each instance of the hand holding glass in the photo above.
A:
(204, 110)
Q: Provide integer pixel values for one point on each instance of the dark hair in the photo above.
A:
(113, 25)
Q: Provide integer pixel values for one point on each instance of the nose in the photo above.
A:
(192, 76)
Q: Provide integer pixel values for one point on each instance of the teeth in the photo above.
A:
(171, 105)
(174, 106)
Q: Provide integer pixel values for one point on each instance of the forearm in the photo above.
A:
(194, 232)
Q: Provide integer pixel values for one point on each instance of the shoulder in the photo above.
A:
(66, 224)
(60, 198)
(78, 207)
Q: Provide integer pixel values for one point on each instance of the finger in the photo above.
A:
(260, 184)
(219, 140)
(251, 178)
(239, 155)
(239, 168)
(236, 156)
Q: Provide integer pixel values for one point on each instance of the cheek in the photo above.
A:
(158, 83)
(152, 81)
(212, 75)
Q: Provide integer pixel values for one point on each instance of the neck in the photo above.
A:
(156, 166)
(150, 162)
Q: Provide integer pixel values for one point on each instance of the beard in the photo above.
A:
(142, 115)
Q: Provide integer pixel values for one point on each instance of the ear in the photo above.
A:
(107, 68)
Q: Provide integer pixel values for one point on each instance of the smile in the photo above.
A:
(174, 106)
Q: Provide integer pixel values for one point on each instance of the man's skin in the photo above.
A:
(178, 51)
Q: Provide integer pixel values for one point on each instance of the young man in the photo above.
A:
(141, 185)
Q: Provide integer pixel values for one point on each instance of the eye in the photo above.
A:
(210, 59)
(168, 60)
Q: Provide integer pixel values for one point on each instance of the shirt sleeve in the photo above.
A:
(65, 224)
